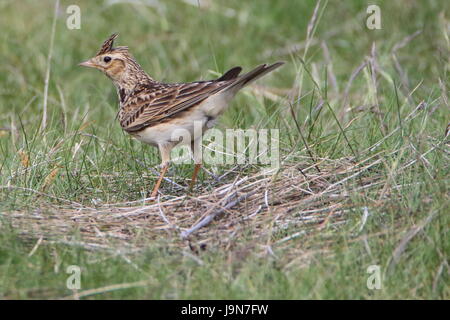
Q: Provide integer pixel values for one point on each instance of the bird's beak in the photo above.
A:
(87, 63)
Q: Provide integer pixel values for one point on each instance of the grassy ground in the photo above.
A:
(374, 101)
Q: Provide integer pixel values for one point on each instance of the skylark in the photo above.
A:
(151, 111)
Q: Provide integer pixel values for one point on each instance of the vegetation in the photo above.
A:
(364, 170)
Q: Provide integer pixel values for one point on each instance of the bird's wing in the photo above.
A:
(151, 105)
(155, 102)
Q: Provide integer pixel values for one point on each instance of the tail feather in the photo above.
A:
(251, 76)
(230, 74)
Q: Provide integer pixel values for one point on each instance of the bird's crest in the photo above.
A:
(108, 45)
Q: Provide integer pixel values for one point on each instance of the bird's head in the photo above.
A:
(117, 63)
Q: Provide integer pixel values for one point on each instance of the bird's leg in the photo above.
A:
(197, 155)
(158, 183)
(164, 149)
(194, 175)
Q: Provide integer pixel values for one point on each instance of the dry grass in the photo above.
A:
(268, 208)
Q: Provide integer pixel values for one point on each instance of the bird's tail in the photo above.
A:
(251, 76)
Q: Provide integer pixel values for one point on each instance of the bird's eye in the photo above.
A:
(107, 59)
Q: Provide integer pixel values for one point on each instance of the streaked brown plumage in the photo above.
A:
(151, 111)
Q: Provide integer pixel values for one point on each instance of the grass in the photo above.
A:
(368, 108)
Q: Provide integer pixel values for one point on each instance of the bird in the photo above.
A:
(151, 111)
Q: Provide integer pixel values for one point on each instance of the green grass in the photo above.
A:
(84, 146)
